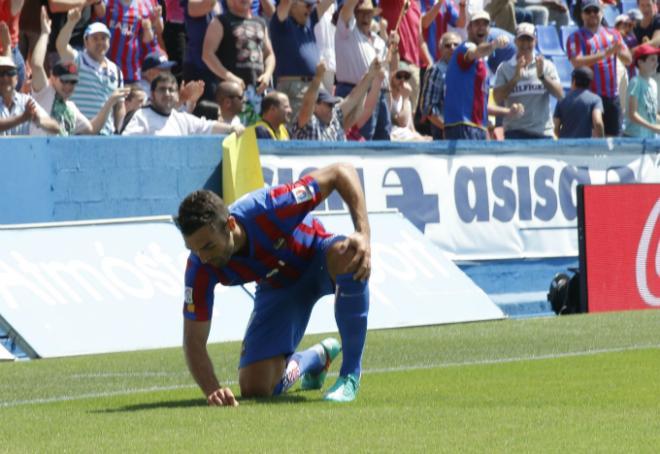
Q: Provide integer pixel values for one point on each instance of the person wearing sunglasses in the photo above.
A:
(433, 90)
(598, 48)
(53, 94)
(18, 111)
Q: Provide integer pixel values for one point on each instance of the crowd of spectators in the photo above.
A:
(402, 70)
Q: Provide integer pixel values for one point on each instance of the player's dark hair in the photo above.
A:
(201, 208)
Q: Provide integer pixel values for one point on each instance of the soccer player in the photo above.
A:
(269, 236)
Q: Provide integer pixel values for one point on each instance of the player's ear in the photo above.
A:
(231, 224)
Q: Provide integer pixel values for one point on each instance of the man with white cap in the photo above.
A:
(528, 79)
(54, 93)
(19, 111)
(466, 93)
(99, 77)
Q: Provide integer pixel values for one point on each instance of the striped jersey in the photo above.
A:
(126, 46)
(466, 90)
(281, 237)
(584, 42)
(448, 15)
(95, 85)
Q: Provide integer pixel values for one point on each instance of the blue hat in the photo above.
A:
(326, 97)
(156, 59)
(591, 4)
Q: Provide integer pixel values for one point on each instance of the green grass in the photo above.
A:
(578, 384)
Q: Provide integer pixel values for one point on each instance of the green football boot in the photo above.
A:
(331, 348)
(344, 390)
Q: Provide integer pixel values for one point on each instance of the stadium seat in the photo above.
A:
(627, 5)
(564, 70)
(610, 12)
(547, 41)
(566, 31)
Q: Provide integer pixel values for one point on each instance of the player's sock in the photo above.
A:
(351, 309)
(310, 360)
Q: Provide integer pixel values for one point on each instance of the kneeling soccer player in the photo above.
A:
(269, 236)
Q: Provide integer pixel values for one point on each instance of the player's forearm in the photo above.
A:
(350, 189)
(201, 367)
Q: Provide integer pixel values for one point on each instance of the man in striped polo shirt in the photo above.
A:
(598, 48)
(269, 236)
(99, 77)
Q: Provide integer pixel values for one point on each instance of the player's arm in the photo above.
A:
(195, 336)
(344, 179)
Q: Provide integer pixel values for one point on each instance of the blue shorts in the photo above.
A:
(280, 315)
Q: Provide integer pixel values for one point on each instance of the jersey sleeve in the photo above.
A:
(292, 202)
(200, 282)
(574, 45)
(461, 52)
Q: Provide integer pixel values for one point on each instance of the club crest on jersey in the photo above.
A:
(188, 300)
(302, 194)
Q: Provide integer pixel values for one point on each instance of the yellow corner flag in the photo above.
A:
(241, 166)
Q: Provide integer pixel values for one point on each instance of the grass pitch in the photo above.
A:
(586, 383)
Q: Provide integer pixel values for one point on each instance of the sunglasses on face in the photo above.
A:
(450, 45)
(403, 76)
(69, 82)
(8, 72)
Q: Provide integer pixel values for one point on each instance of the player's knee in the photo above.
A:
(255, 389)
(339, 262)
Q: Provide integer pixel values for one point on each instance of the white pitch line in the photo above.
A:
(130, 391)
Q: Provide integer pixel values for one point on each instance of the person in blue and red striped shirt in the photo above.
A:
(598, 48)
(466, 83)
(269, 236)
(436, 18)
(133, 25)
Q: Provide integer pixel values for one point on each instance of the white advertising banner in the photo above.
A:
(482, 205)
(5, 355)
(118, 286)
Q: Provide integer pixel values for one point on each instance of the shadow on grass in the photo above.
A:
(191, 403)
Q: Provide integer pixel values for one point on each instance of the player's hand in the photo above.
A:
(222, 397)
(361, 263)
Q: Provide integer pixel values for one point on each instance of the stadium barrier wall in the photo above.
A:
(462, 195)
(96, 287)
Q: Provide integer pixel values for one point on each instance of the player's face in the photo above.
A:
(211, 246)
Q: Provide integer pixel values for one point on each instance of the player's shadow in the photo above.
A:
(191, 403)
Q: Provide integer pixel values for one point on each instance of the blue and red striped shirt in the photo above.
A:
(584, 42)
(448, 15)
(466, 90)
(281, 234)
(126, 47)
